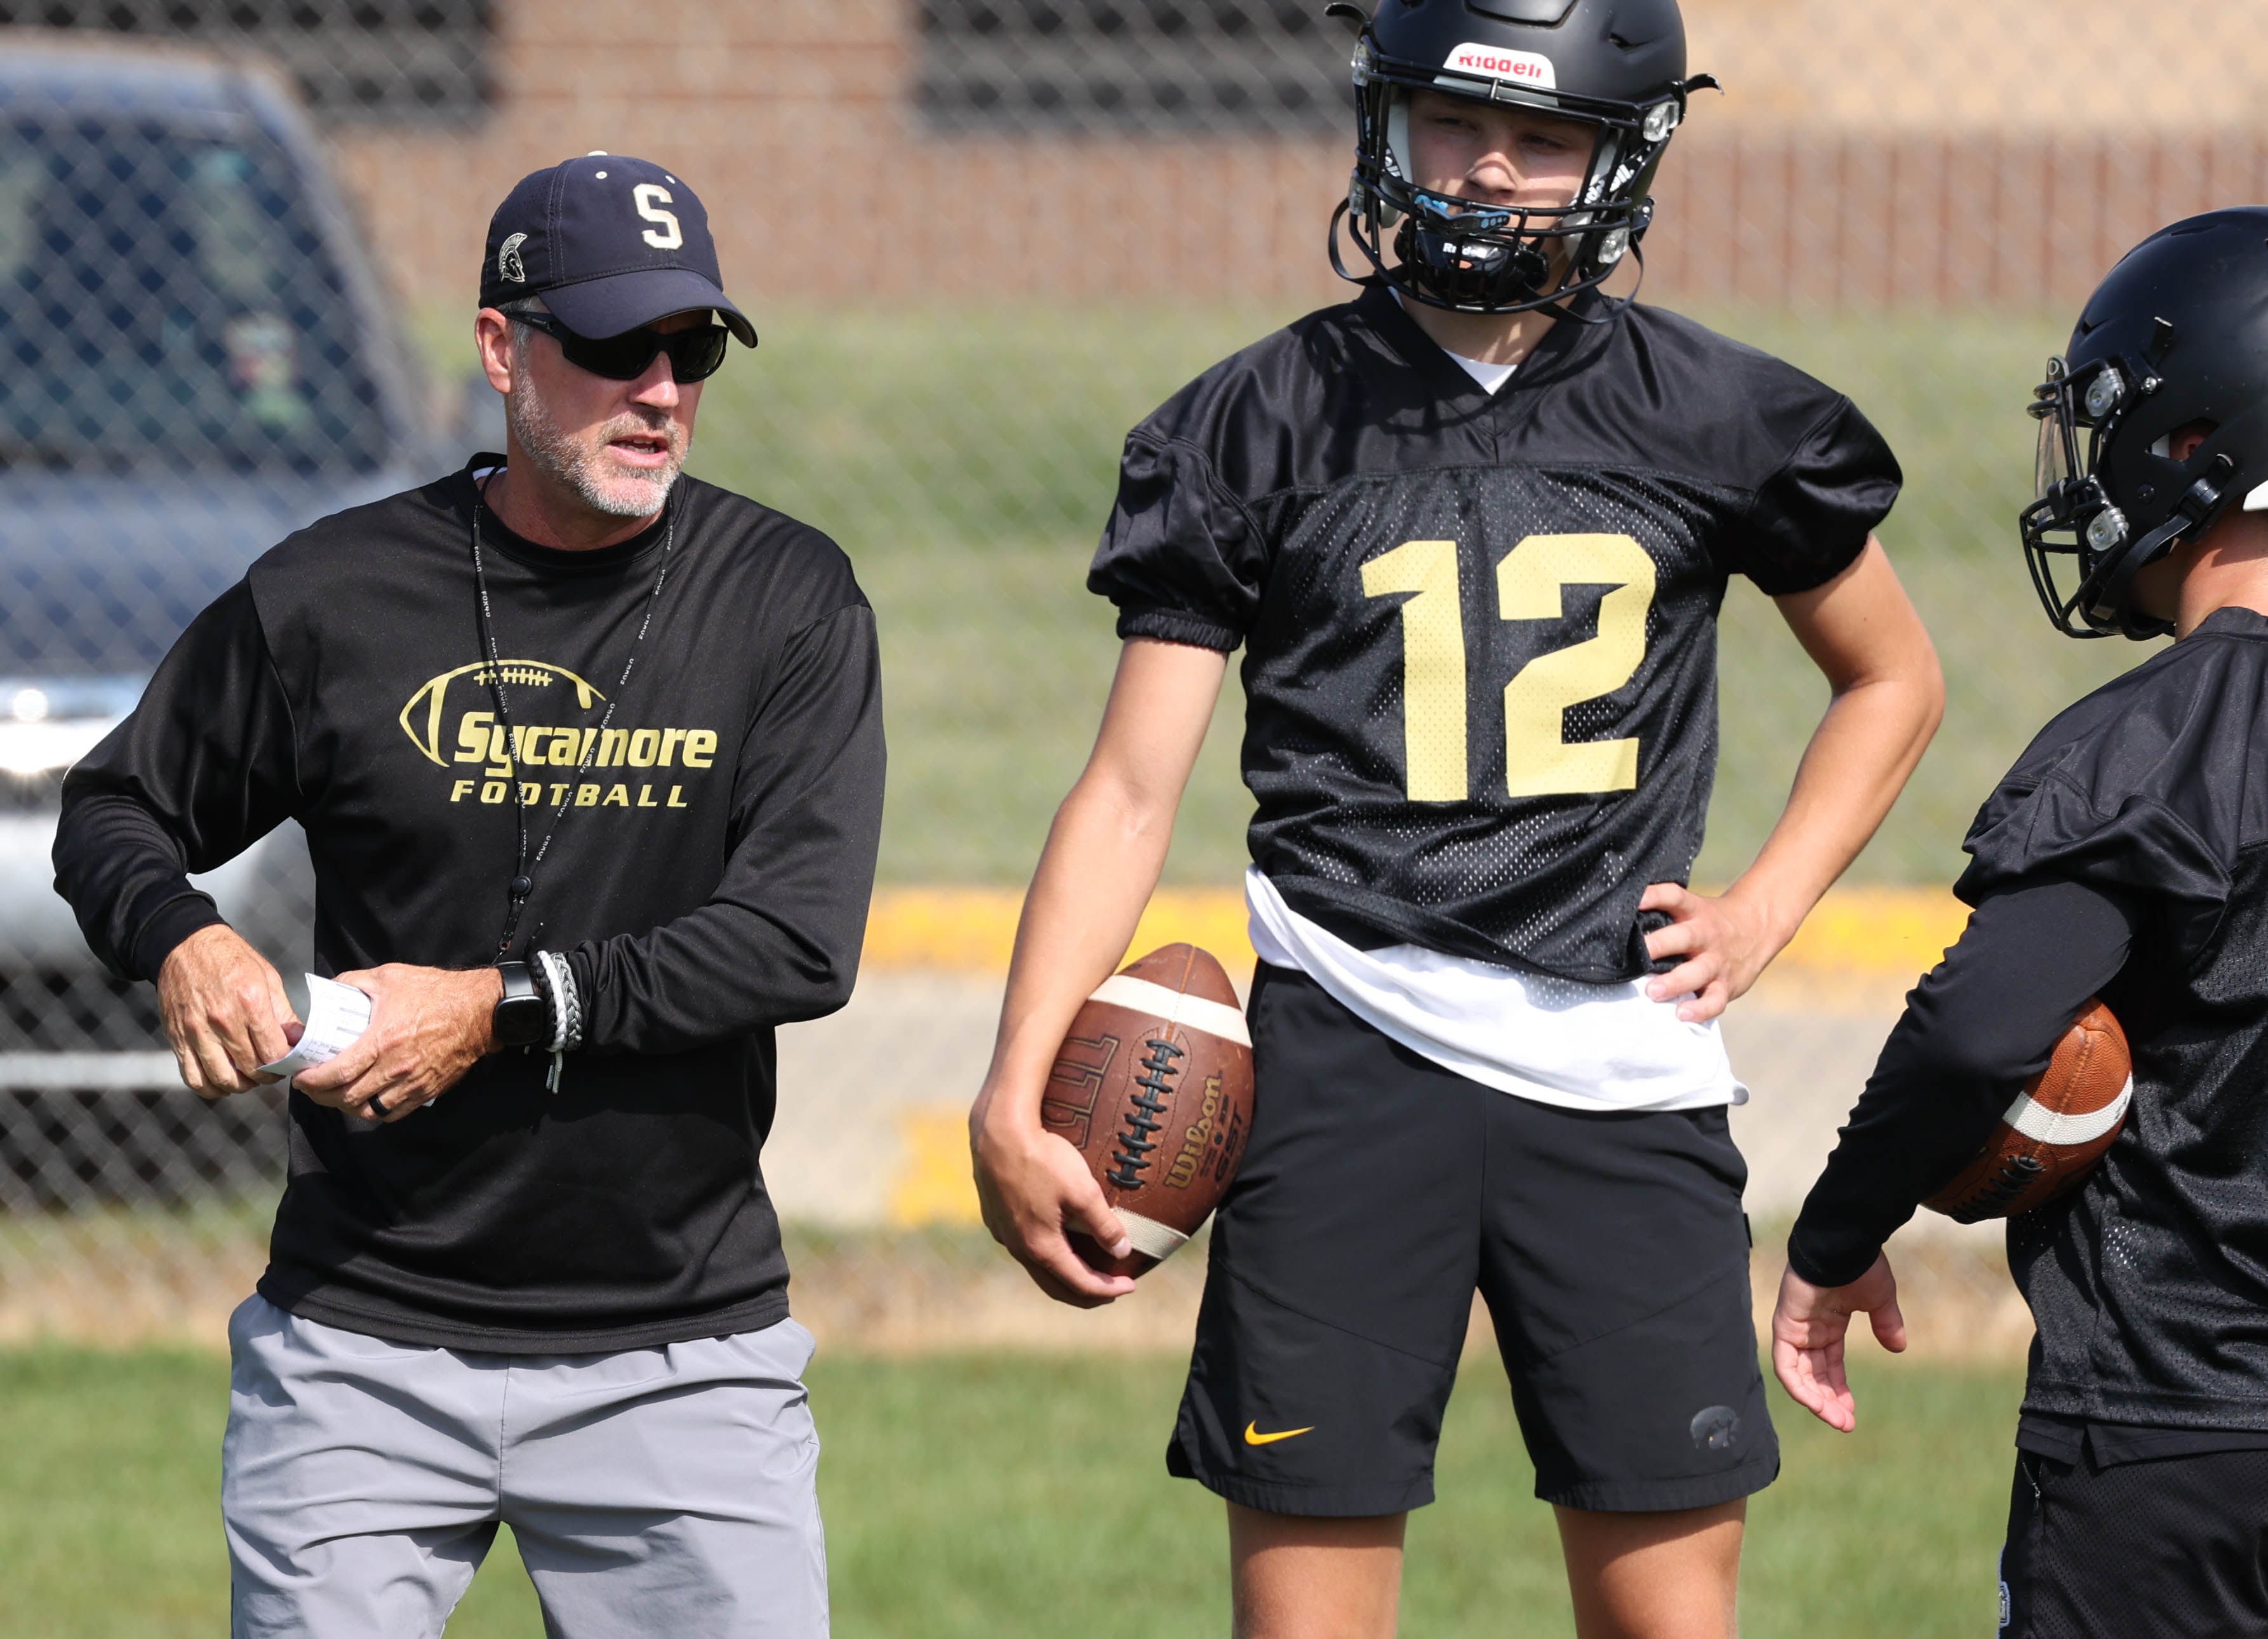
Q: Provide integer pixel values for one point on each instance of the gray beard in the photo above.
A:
(559, 458)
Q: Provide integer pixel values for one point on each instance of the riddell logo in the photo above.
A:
(1524, 68)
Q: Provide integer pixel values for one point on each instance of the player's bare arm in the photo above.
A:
(1888, 696)
(1103, 856)
(225, 1011)
(1808, 1329)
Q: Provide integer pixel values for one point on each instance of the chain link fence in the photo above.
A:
(196, 355)
(982, 239)
(1029, 67)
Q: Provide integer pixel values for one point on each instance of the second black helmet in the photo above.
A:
(2172, 350)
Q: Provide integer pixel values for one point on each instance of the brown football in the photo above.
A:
(1153, 1086)
(2059, 1126)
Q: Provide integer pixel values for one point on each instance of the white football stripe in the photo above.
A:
(1151, 1239)
(2042, 1124)
(1141, 995)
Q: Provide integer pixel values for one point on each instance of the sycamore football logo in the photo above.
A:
(425, 720)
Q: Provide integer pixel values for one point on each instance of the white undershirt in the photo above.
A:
(1489, 376)
(1606, 1047)
(1552, 1040)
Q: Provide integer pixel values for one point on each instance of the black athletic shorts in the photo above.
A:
(1380, 1191)
(2173, 1545)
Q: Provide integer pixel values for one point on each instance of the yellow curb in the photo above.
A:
(1870, 932)
(969, 930)
(1877, 932)
(932, 1184)
(973, 930)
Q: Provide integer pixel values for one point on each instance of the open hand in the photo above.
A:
(224, 1012)
(1034, 1188)
(1808, 1326)
(428, 1026)
(1725, 943)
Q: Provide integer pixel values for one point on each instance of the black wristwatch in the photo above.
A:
(523, 1019)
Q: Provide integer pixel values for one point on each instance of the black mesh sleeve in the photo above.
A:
(2140, 845)
(1979, 1025)
(2144, 787)
(1181, 557)
(1810, 519)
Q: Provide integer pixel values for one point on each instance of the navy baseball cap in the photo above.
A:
(609, 243)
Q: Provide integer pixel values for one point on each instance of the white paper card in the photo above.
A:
(337, 1016)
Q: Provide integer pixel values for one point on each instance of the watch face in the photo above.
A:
(521, 1021)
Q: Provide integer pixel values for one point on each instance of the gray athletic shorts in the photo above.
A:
(653, 1491)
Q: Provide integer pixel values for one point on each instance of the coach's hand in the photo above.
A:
(1034, 1188)
(1725, 943)
(1808, 1326)
(428, 1026)
(225, 1012)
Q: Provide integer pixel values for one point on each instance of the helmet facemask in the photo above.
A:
(2083, 415)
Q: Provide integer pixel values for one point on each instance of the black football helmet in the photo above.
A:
(2175, 339)
(1616, 65)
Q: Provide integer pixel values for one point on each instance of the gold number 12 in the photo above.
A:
(1539, 760)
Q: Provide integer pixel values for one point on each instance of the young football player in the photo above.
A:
(1472, 530)
(2125, 855)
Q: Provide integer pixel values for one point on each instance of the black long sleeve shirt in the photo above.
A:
(2125, 854)
(2029, 961)
(1978, 1026)
(708, 879)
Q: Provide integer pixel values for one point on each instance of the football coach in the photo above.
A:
(589, 758)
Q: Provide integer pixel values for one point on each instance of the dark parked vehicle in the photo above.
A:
(195, 359)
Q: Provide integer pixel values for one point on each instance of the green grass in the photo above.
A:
(996, 1497)
(1947, 392)
(967, 458)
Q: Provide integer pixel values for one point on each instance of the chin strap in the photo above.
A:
(2107, 587)
(1615, 305)
(1556, 306)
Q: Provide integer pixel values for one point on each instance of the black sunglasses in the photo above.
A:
(695, 355)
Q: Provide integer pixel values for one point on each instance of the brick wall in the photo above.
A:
(1972, 219)
(1820, 185)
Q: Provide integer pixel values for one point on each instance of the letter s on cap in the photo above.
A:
(650, 199)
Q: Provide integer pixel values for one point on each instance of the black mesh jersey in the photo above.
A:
(2149, 1282)
(1481, 631)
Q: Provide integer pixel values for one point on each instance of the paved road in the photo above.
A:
(872, 1100)
(871, 1135)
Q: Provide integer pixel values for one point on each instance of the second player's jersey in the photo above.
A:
(1481, 631)
(2149, 1282)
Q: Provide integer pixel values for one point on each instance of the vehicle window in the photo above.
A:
(165, 299)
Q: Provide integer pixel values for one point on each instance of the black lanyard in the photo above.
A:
(522, 885)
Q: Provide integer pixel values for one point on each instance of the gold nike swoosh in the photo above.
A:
(1253, 1437)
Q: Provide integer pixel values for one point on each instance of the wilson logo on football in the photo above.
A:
(1525, 68)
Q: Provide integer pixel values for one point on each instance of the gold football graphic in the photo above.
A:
(423, 719)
